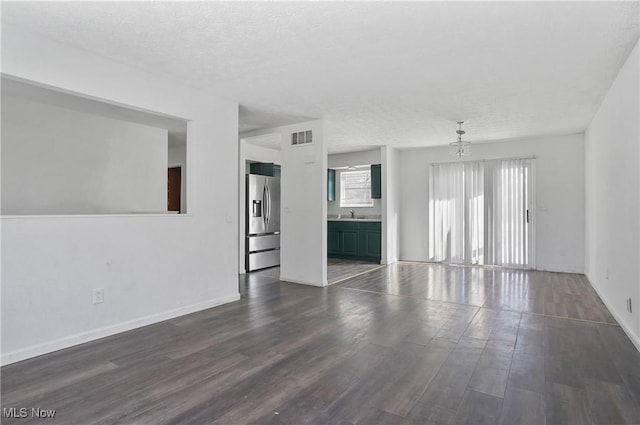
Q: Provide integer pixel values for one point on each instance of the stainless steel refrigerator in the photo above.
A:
(263, 222)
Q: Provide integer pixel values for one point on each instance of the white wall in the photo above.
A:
(612, 198)
(253, 153)
(352, 159)
(151, 267)
(303, 219)
(559, 212)
(261, 154)
(178, 157)
(60, 161)
(371, 156)
(391, 191)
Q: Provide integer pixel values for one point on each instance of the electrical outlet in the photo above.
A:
(98, 295)
(629, 308)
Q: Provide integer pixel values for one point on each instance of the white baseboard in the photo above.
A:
(560, 270)
(538, 267)
(80, 338)
(302, 282)
(635, 339)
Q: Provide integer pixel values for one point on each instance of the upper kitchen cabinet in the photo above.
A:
(265, 169)
(331, 185)
(376, 181)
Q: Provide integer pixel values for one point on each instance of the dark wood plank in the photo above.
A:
(478, 409)
(490, 380)
(523, 407)
(437, 406)
(609, 403)
(402, 391)
(527, 372)
(482, 324)
(373, 415)
(566, 405)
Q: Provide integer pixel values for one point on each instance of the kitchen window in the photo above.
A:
(355, 189)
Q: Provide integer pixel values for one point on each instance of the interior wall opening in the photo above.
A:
(66, 154)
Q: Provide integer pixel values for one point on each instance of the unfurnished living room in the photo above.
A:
(320, 212)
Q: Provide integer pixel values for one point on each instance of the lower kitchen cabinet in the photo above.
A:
(333, 241)
(354, 240)
(371, 237)
(351, 242)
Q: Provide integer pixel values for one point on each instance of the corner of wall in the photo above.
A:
(612, 197)
(635, 339)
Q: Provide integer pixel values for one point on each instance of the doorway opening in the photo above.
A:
(174, 189)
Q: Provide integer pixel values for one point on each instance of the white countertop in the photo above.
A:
(354, 219)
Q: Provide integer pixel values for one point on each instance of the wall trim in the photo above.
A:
(560, 270)
(546, 269)
(91, 335)
(286, 279)
(635, 339)
(92, 216)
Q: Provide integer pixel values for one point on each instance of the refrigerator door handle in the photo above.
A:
(264, 203)
(266, 207)
(266, 188)
(269, 204)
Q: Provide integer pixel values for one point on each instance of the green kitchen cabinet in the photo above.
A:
(354, 240)
(334, 247)
(371, 239)
(376, 181)
(351, 242)
(331, 185)
(265, 169)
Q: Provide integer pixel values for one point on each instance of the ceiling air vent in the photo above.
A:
(301, 138)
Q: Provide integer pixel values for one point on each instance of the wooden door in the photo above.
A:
(173, 188)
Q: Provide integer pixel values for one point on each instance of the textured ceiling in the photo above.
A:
(381, 73)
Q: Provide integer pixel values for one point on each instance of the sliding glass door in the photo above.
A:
(480, 212)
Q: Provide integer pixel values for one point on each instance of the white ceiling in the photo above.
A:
(380, 73)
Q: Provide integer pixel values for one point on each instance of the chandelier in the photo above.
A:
(459, 147)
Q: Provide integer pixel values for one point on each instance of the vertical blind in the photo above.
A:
(479, 212)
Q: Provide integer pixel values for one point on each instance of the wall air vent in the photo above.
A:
(301, 138)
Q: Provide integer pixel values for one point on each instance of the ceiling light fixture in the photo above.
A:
(459, 147)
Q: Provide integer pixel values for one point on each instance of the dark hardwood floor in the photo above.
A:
(410, 343)
(337, 270)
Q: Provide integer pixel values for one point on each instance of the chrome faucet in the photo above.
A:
(352, 215)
